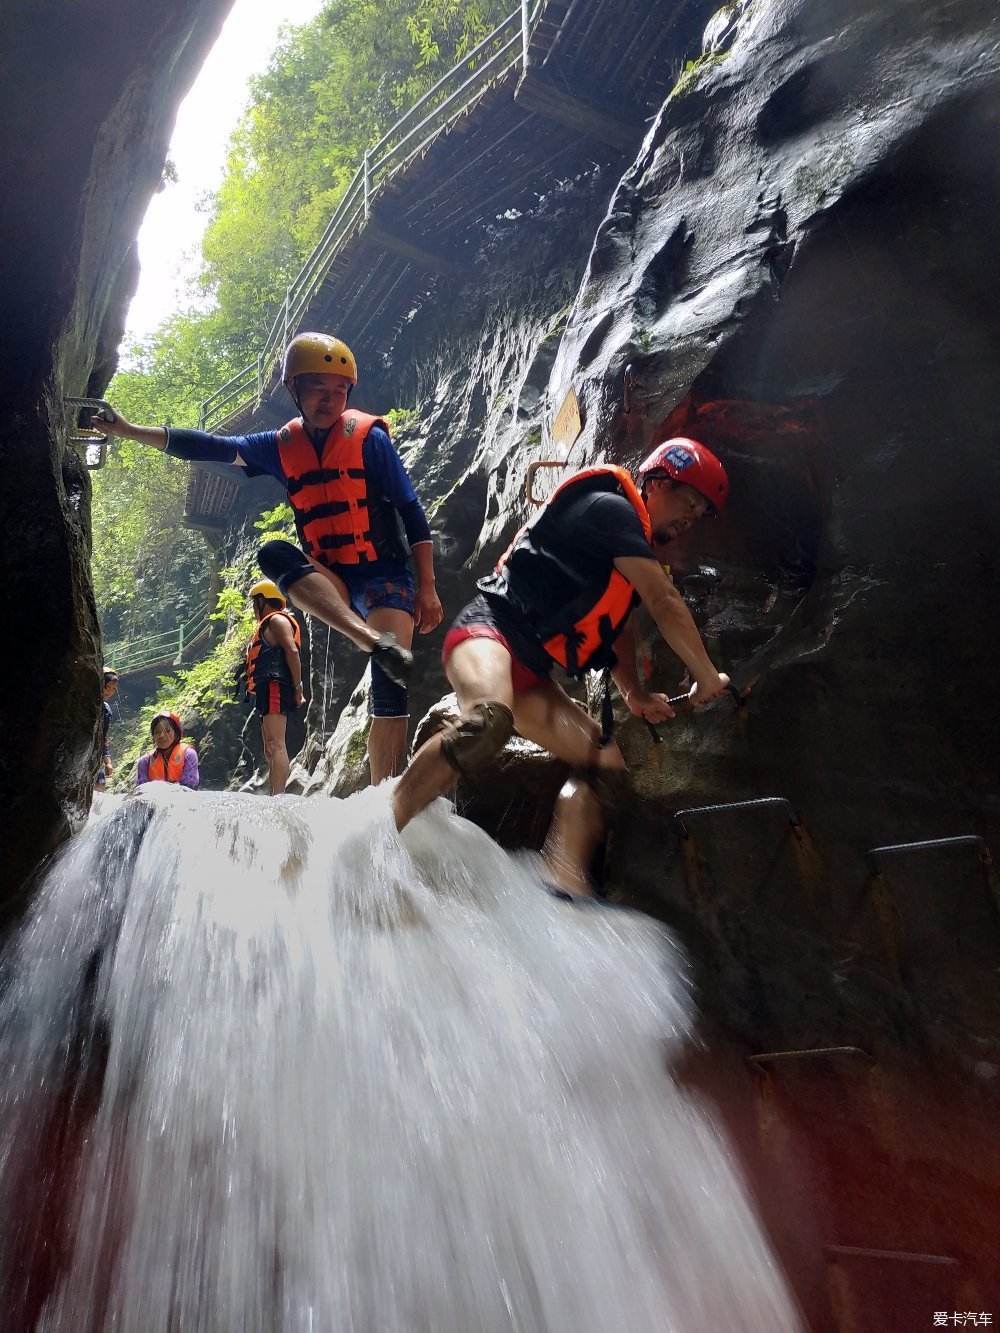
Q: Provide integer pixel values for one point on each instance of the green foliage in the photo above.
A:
(150, 572)
(207, 687)
(333, 87)
(276, 524)
(694, 70)
(204, 689)
(166, 377)
(400, 419)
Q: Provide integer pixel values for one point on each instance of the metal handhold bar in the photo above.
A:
(815, 1052)
(902, 1256)
(90, 434)
(759, 803)
(930, 844)
(738, 695)
(529, 477)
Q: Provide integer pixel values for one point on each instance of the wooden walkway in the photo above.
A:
(583, 94)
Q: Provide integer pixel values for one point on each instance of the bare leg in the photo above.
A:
(387, 737)
(272, 730)
(577, 829)
(549, 717)
(324, 595)
(479, 670)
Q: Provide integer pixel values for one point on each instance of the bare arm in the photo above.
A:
(665, 604)
(625, 673)
(427, 611)
(280, 632)
(155, 436)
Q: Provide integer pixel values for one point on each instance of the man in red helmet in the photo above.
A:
(562, 595)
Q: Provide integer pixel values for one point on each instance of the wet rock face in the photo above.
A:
(800, 271)
(87, 103)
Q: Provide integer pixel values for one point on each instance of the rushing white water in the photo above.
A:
(270, 1066)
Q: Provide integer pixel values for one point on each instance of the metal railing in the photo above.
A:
(505, 47)
(167, 646)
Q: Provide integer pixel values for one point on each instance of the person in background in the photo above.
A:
(110, 690)
(274, 676)
(170, 760)
(358, 518)
(563, 595)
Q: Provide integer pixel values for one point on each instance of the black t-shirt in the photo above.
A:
(595, 528)
(602, 526)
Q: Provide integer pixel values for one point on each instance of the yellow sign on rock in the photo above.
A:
(567, 424)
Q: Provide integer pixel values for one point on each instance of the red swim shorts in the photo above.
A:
(476, 621)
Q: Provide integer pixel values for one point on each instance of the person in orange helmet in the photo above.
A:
(170, 760)
(562, 595)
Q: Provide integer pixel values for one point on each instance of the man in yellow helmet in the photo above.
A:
(358, 518)
(274, 676)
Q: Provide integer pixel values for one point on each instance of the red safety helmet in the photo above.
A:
(691, 464)
(171, 717)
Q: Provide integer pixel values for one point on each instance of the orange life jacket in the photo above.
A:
(580, 635)
(171, 769)
(329, 495)
(266, 661)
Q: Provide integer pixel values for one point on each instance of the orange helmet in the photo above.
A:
(170, 717)
(691, 464)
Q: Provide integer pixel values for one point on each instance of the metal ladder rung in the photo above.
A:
(901, 1256)
(758, 803)
(814, 1052)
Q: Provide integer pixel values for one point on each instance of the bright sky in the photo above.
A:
(168, 240)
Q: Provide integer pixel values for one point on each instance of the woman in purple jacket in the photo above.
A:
(170, 760)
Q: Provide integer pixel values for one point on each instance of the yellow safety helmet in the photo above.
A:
(268, 590)
(110, 673)
(318, 354)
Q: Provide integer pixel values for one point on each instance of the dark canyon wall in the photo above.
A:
(89, 94)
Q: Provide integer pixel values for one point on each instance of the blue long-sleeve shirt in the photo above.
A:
(390, 491)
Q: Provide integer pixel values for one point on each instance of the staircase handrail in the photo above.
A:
(355, 205)
(165, 646)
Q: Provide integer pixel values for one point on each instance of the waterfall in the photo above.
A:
(270, 1066)
(325, 678)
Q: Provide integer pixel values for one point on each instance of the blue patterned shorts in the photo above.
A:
(392, 588)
